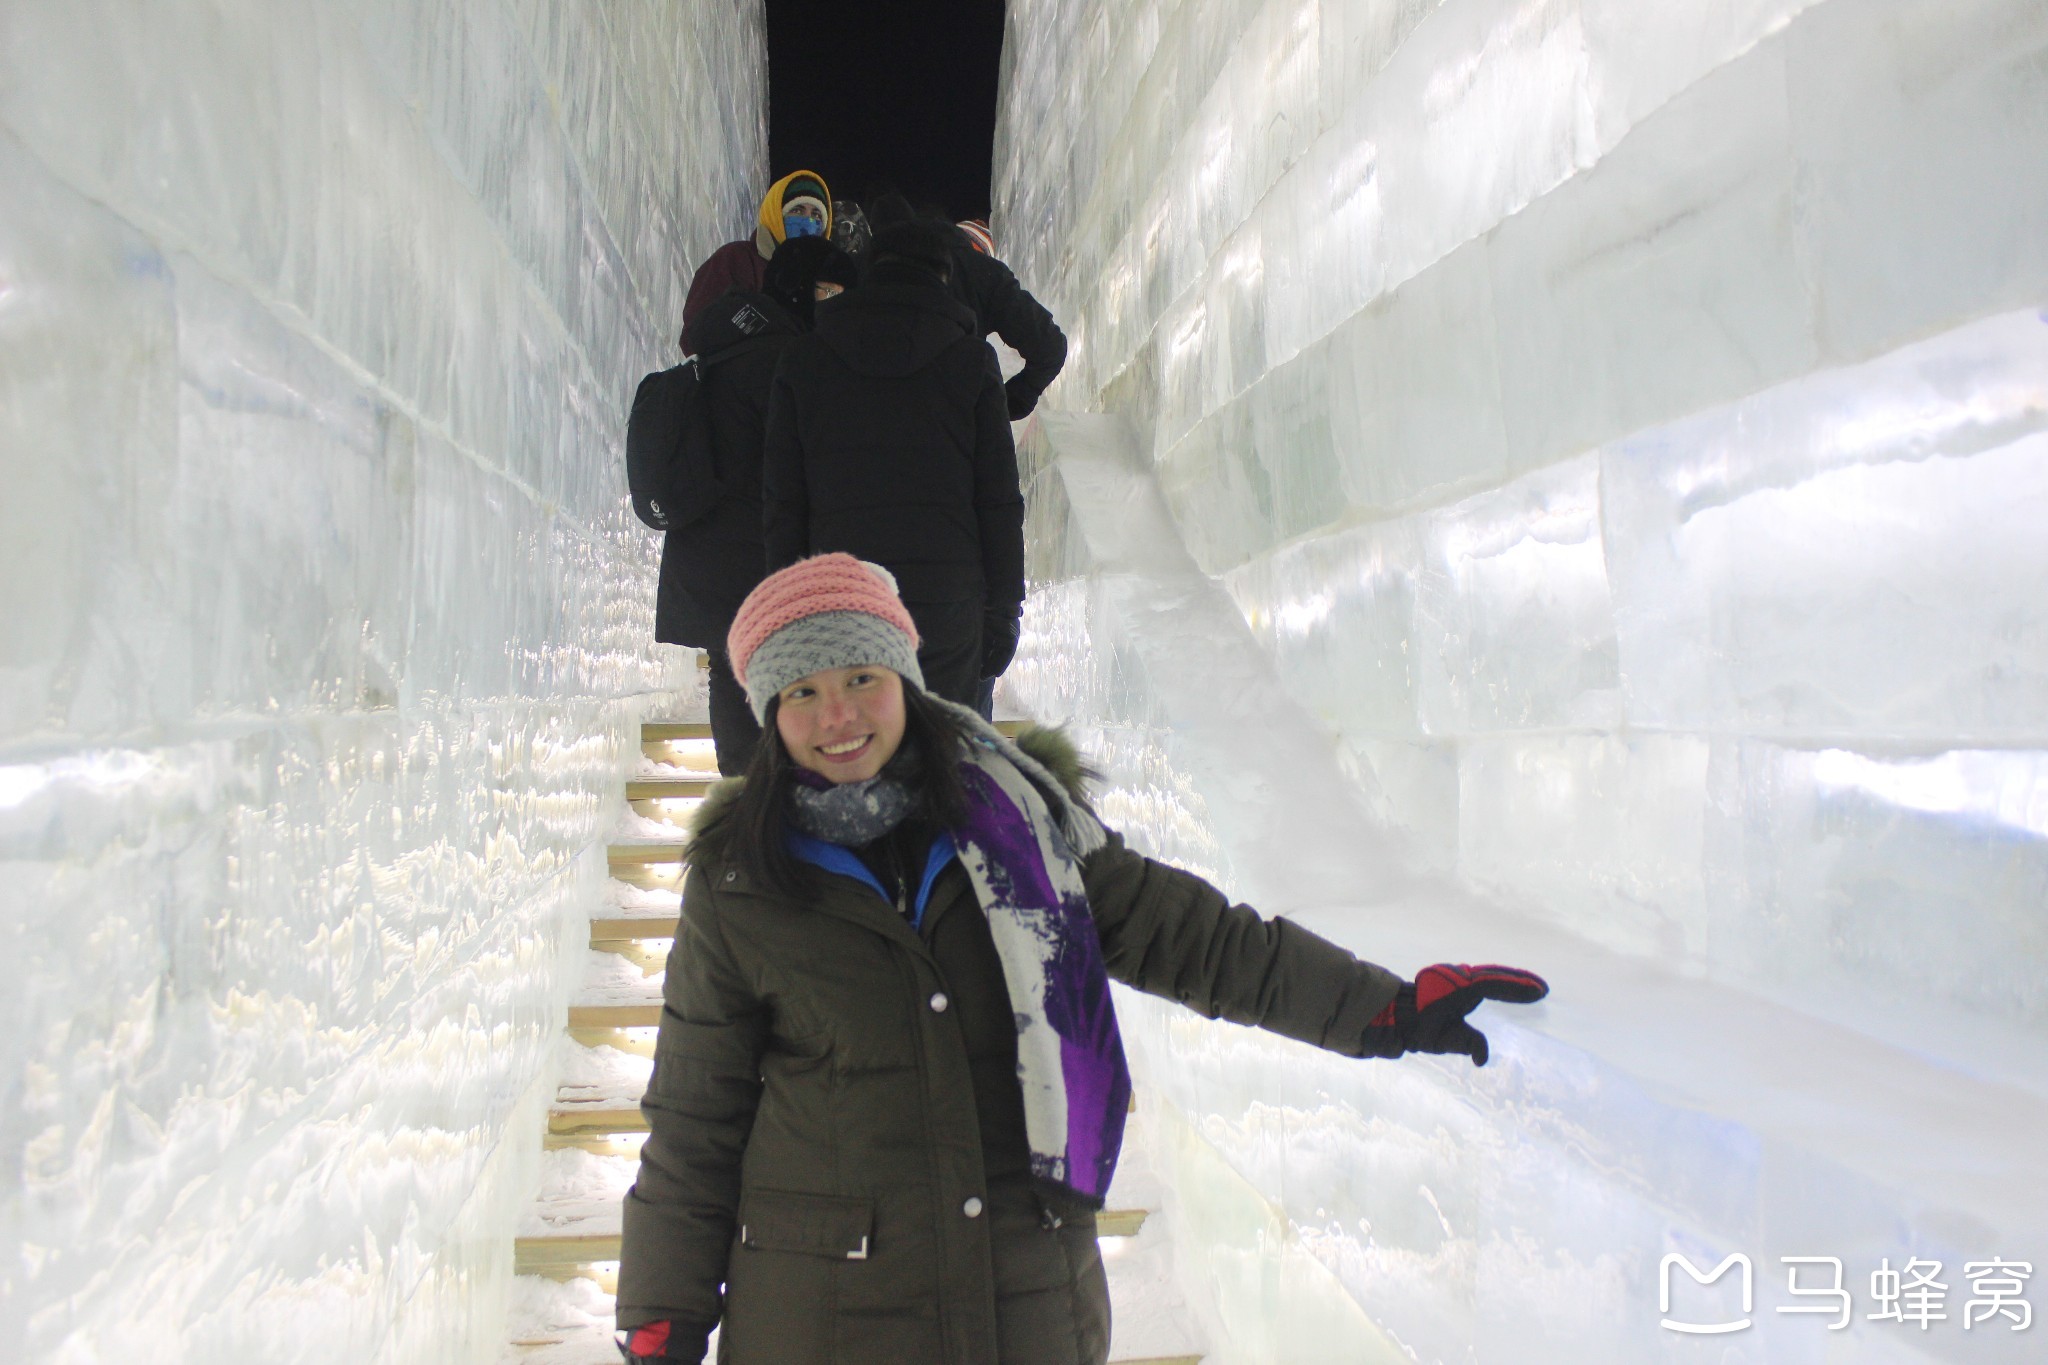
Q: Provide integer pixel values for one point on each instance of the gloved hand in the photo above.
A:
(650, 510)
(1000, 629)
(1428, 1014)
(664, 1341)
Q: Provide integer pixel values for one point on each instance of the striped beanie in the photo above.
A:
(829, 611)
(978, 235)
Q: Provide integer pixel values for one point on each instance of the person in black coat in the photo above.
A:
(889, 439)
(710, 565)
(1000, 305)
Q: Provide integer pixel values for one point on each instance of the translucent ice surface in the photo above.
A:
(326, 634)
(1565, 477)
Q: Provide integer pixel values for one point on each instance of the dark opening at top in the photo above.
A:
(887, 93)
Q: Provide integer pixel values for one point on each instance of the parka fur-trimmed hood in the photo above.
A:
(711, 829)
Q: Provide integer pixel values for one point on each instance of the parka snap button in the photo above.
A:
(732, 876)
(939, 1002)
(972, 1208)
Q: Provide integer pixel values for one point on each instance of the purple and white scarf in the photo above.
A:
(1022, 845)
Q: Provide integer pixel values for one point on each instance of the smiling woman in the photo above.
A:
(842, 723)
(889, 1089)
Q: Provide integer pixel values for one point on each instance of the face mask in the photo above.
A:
(798, 225)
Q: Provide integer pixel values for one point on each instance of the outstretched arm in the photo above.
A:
(1170, 933)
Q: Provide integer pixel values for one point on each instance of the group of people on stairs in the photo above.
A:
(850, 402)
(889, 1090)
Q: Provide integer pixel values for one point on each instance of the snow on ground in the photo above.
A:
(686, 758)
(581, 1194)
(559, 1323)
(609, 979)
(1149, 1315)
(622, 900)
(601, 1077)
(635, 828)
(564, 1324)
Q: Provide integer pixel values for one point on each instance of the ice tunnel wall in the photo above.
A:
(326, 632)
(1622, 428)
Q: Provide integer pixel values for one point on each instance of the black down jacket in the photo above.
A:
(709, 566)
(1005, 307)
(836, 1131)
(889, 438)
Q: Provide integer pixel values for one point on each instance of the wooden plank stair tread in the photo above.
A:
(614, 1016)
(640, 1043)
(590, 1118)
(662, 731)
(606, 931)
(641, 854)
(566, 1250)
(671, 788)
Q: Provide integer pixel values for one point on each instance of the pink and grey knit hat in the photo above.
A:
(829, 611)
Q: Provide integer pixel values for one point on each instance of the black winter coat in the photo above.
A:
(836, 1131)
(889, 439)
(1005, 307)
(709, 566)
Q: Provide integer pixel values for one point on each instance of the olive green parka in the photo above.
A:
(836, 1132)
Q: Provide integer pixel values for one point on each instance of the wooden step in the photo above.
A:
(592, 1122)
(613, 1017)
(608, 931)
(665, 730)
(565, 1256)
(642, 855)
(669, 788)
(638, 1041)
(597, 1144)
(650, 957)
(650, 866)
(1120, 1222)
(591, 1119)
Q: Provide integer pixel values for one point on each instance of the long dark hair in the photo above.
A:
(760, 815)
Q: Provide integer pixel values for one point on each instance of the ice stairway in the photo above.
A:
(567, 1250)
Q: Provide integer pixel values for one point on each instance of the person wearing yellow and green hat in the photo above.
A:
(798, 205)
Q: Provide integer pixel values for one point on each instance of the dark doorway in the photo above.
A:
(897, 93)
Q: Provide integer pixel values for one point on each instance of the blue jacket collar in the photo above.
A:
(844, 861)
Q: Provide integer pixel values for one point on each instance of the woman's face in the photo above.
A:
(842, 723)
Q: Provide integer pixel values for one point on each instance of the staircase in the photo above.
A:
(566, 1254)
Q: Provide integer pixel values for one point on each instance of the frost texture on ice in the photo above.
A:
(1566, 479)
(327, 633)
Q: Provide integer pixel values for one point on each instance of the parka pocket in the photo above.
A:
(807, 1224)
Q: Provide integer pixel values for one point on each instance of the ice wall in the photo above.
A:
(326, 631)
(1622, 428)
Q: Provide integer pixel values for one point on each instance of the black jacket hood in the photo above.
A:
(893, 329)
(739, 316)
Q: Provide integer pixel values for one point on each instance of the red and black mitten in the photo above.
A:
(663, 1341)
(1428, 1014)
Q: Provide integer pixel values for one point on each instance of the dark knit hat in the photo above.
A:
(919, 242)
